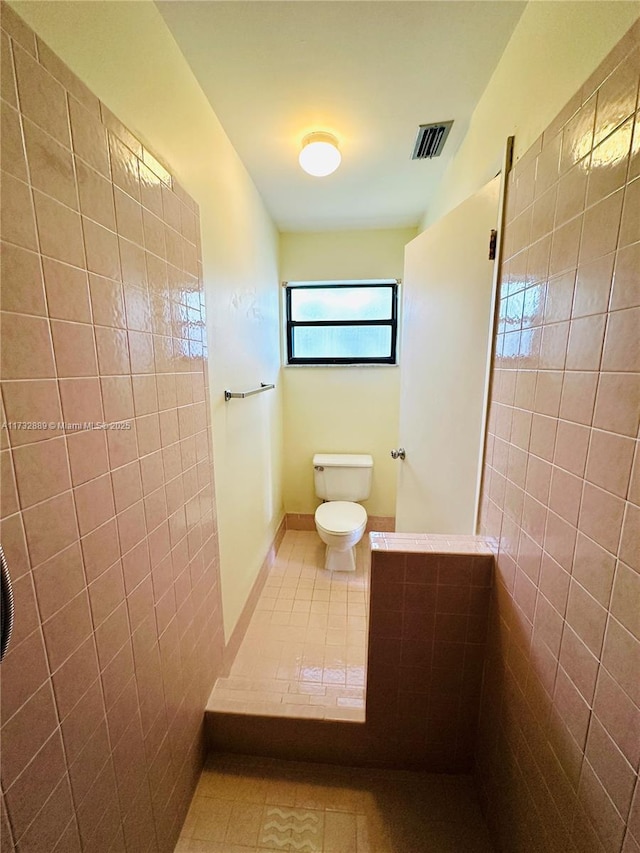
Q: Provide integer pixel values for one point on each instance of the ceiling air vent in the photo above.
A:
(430, 140)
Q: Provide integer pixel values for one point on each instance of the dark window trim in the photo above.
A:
(392, 322)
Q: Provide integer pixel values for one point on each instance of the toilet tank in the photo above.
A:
(343, 476)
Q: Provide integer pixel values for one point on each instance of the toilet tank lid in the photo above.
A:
(343, 460)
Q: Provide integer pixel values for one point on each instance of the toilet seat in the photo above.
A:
(340, 517)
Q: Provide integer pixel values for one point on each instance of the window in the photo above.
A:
(342, 322)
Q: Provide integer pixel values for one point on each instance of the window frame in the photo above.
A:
(391, 322)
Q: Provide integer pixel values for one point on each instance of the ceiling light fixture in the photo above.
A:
(320, 155)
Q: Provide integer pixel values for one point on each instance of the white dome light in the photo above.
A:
(319, 155)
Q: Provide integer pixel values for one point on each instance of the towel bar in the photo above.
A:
(228, 395)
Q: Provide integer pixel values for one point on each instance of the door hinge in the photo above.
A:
(493, 242)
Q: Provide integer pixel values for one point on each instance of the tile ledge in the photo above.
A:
(430, 543)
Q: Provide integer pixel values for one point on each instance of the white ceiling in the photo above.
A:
(369, 72)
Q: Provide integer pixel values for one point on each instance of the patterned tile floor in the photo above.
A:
(304, 653)
(253, 805)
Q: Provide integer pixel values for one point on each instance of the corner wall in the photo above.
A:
(108, 507)
(553, 49)
(560, 720)
(341, 409)
(125, 53)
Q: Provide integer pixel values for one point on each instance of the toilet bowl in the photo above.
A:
(340, 525)
(341, 479)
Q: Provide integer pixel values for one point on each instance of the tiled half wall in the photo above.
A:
(427, 630)
(110, 534)
(560, 722)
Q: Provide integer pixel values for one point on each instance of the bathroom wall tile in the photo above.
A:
(42, 470)
(96, 195)
(141, 352)
(124, 167)
(113, 351)
(32, 401)
(66, 77)
(577, 136)
(559, 297)
(617, 97)
(87, 455)
(127, 485)
(89, 137)
(21, 287)
(8, 488)
(71, 679)
(74, 348)
(102, 250)
(50, 526)
(579, 388)
(42, 99)
(94, 503)
(67, 293)
(81, 401)
(572, 189)
(609, 163)
(59, 230)
(25, 671)
(122, 445)
(128, 217)
(134, 269)
(27, 731)
(50, 165)
(601, 224)
(100, 549)
(137, 308)
(26, 347)
(601, 517)
(630, 538)
(11, 144)
(67, 629)
(7, 75)
(609, 462)
(58, 580)
(621, 657)
(625, 598)
(14, 26)
(593, 286)
(572, 442)
(630, 224)
(17, 221)
(107, 302)
(594, 568)
(586, 338)
(626, 288)
(619, 716)
(622, 348)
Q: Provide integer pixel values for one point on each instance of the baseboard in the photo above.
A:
(237, 635)
(305, 521)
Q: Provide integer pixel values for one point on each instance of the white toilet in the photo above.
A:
(340, 480)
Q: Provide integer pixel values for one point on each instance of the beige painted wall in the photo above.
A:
(147, 83)
(341, 409)
(554, 48)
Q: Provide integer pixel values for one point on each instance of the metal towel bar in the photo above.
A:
(228, 395)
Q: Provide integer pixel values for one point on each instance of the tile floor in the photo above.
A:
(257, 805)
(304, 653)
